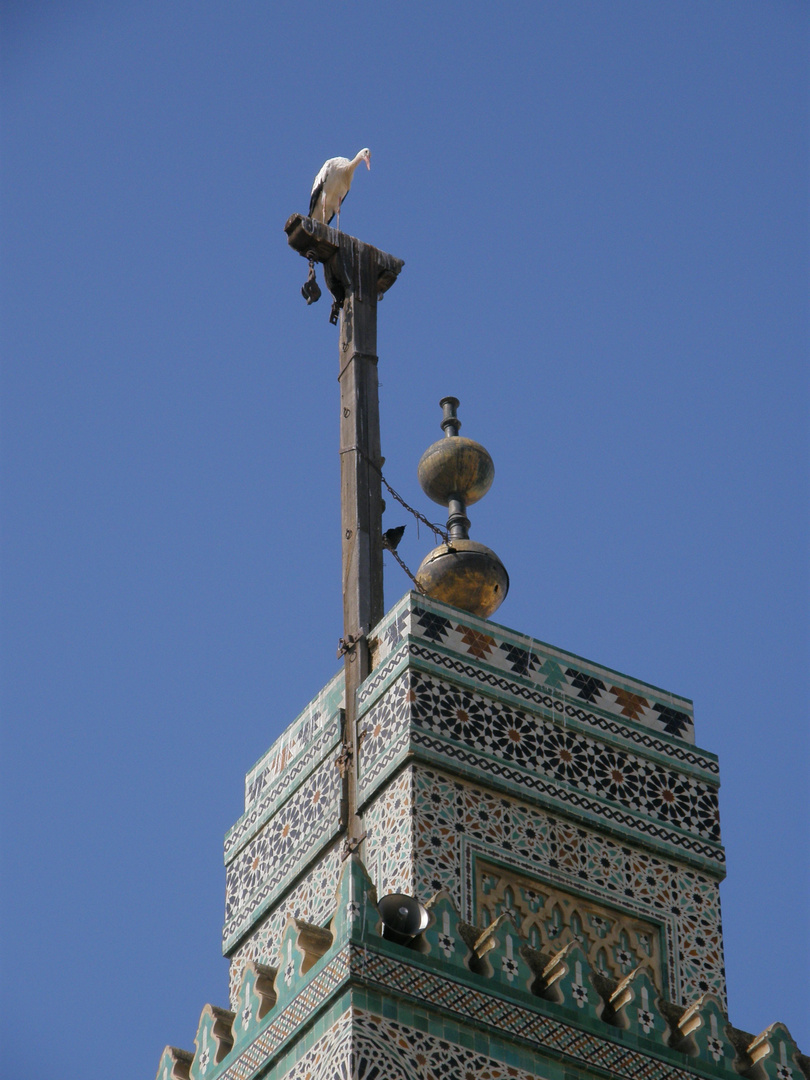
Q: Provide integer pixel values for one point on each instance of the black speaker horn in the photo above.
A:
(403, 917)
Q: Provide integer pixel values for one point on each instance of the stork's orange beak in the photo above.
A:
(368, 161)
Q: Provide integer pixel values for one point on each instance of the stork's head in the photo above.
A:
(365, 155)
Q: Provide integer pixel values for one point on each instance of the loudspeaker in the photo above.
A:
(403, 917)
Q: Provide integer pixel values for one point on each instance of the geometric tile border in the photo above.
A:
(540, 755)
(295, 738)
(502, 650)
(389, 853)
(274, 794)
(501, 1026)
(330, 1057)
(548, 703)
(297, 1013)
(539, 1032)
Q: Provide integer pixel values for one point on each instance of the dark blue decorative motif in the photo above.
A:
(675, 723)
(589, 687)
(521, 661)
(435, 627)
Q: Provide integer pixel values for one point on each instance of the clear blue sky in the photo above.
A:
(603, 211)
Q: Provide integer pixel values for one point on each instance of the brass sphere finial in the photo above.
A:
(456, 472)
(455, 467)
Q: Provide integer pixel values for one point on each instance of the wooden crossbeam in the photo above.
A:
(305, 235)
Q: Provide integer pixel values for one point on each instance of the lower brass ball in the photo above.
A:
(467, 575)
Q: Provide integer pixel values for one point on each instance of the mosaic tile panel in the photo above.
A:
(503, 650)
(403, 1053)
(313, 900)
(289, 840)
(455, 822)
(513, 1036)
(562, 764)
(520, 694)
(330, 1058)
(464, 1012)
(388, 851)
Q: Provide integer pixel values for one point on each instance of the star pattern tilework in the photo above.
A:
(330, 1057)
(389, 844)
(264, 866)
(541, 746)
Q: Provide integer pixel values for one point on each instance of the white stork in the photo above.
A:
(332, 186)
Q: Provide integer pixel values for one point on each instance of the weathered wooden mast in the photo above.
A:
(357, 275)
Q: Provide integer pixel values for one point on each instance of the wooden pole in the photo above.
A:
(362, 273)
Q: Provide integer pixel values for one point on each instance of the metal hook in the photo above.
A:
(310, 290)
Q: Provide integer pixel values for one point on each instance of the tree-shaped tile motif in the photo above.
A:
(632, 705)
(674, 722)
(590, 688)
(255, 1000)
(442, 941)
(521, 661)
(213, 1041)
(478, 645)
(395, 631)
(553, 675)
(434, 627)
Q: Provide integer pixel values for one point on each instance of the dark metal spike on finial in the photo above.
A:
(450, 422)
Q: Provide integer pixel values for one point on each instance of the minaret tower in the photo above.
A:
(474, 854)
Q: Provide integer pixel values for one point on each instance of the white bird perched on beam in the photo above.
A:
(332, 186)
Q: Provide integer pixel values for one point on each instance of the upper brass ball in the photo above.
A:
(456, 467)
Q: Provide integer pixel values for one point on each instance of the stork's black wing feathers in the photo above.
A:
(313, 200)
